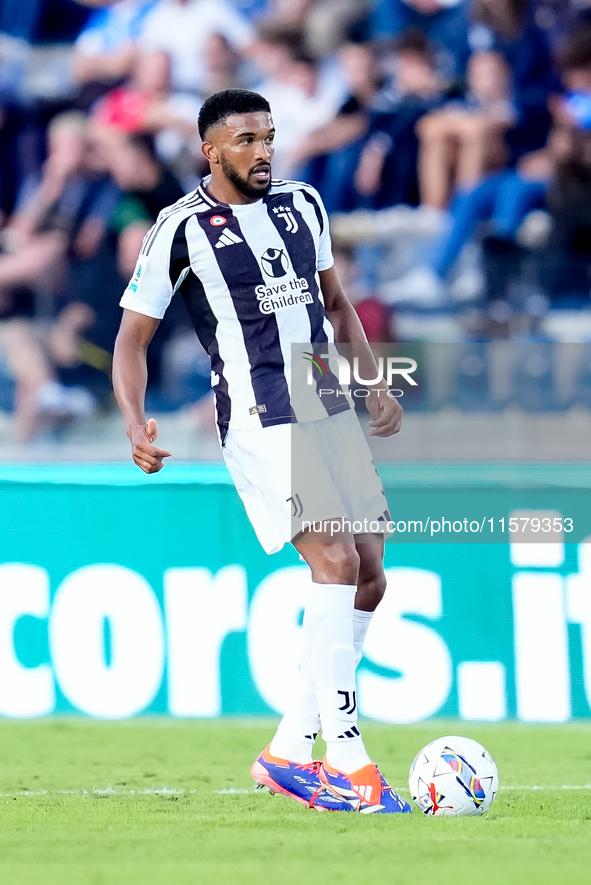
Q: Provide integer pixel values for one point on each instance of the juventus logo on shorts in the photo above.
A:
(297, 505)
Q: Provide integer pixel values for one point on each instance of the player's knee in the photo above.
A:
(371, 591)
(339, 565)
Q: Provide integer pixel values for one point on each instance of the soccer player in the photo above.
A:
(251, 256)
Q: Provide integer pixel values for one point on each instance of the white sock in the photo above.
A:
(361, 622)
(297, 731)
(332, 668)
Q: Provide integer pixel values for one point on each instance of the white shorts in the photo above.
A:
(330, 476)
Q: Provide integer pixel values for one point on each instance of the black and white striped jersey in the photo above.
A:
(249, 276)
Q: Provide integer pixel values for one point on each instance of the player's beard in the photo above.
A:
(242, 184)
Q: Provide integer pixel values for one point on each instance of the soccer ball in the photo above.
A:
(453, 776)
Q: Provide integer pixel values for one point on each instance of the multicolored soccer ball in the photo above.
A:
(453, 776)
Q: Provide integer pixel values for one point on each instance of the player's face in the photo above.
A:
(245, 149)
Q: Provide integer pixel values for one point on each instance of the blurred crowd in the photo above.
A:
(449, 139)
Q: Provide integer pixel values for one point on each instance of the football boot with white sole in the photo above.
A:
(296, 781)
(366, 790)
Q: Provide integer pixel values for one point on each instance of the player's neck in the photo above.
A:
(223, 191)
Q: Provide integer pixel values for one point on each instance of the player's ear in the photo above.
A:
(210, 152)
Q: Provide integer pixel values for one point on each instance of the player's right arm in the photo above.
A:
(130, 376)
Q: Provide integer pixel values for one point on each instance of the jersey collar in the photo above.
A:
(201, 190)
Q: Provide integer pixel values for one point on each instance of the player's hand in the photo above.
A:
(386, 413)
(144, 454)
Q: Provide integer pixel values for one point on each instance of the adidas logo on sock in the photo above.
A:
(351, 733)
(228, 239)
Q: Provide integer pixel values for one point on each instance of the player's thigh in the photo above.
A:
(259, 463)
(315, 500)
(283, 482)
(354, 474)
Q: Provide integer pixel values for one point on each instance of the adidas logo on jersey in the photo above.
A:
(228, 239)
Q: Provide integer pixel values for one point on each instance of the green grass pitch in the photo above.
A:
(82, 803)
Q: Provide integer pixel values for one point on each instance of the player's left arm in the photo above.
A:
(386, 412)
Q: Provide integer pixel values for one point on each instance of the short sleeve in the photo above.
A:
(325, 257)
(150, 289)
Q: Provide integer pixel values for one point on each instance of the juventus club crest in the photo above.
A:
(291, 225)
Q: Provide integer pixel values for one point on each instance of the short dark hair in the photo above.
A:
(218, 107)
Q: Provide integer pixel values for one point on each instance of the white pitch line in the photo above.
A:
(528, 787)
(561, 787)
(109, 791)
(512, 788)
(228, 791)
(232, 791)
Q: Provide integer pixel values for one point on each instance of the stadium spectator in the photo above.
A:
(509, 27)
(147, 104)
(386, 174)
(346, 110)
(304, 95)
(10, 128)
(581, 12)
(59, 219)
(87, 329)
(574, 61)
(444, 22)
(554, 17)
(330, 154)
(146, 184)
(222, 64)
(37, 394)
(105, 51)
(181, 28)
(503, 200)
(557, 246)
(326, 24)
(65, 212)
(566, 261)
(465, 139)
